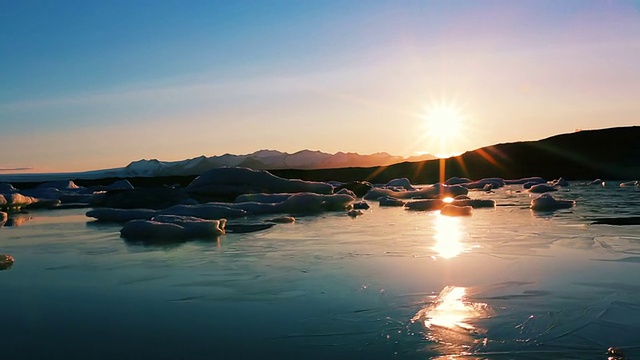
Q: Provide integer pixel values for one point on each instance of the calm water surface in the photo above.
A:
(503, 283)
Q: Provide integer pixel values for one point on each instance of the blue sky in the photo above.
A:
(97, 84)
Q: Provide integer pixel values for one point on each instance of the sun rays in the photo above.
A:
(445, 125)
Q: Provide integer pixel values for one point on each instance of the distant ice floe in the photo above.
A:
(597, 182)
(427, 192)
(221, 182)
(541, 188)
(530, 180)
(561, 182)
(390, 201)
(401, 183)
(546, 202)
(629, 184)
(6, 261)
(438, 204)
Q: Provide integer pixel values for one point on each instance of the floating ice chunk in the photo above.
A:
(347, 192)
(6, 188)
(16, 201)
(474, 203)
(530, 184)
(6, 261)
(205, 211)
(195, 227)
(311, 203)
(123, 184)
(533, 180)
(363, 205)
(541, 188)
(560, 182)
(401, 183)
(390, 201)
(425, 205)
(629, 184)
(495, 183)
(359, 188)
(175, 228)
(121, 215)
(597, 182)
(457, 181)
(455, 210)
(427, 192)
(546, 202)
(236, 180)
(60, 185)
(262, 198)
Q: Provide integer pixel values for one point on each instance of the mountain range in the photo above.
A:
(265, 160)
(608, 154)
(259, 160)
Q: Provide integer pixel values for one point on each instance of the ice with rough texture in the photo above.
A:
(390, 201)
(173, 228)
(6, 261)
(236, 180)
(541, 188)
(546, 202)
(427, 192)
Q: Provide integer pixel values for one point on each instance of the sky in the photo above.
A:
(97, 84)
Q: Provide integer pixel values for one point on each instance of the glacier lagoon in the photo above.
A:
(503, 283)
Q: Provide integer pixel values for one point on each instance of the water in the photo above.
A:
(502, 284)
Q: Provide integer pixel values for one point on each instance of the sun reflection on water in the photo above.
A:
(449, 320)
(448, 236)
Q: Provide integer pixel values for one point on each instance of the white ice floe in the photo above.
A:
(546, 202)
(401, 183)
(236, 180)
(541, 188)
(560, 182)
(427, 192)
(457, 181)
(629, 184)
(480, 184)
(173, 228)
(531, 180)
(60, 185)
(390, 201)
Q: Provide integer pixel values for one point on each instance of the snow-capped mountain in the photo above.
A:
(263, 160)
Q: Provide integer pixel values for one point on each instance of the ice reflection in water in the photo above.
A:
(448, 236)
(449, 321)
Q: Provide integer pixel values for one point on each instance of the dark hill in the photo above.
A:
(611, 154)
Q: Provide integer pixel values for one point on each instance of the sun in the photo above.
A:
(444, 128)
